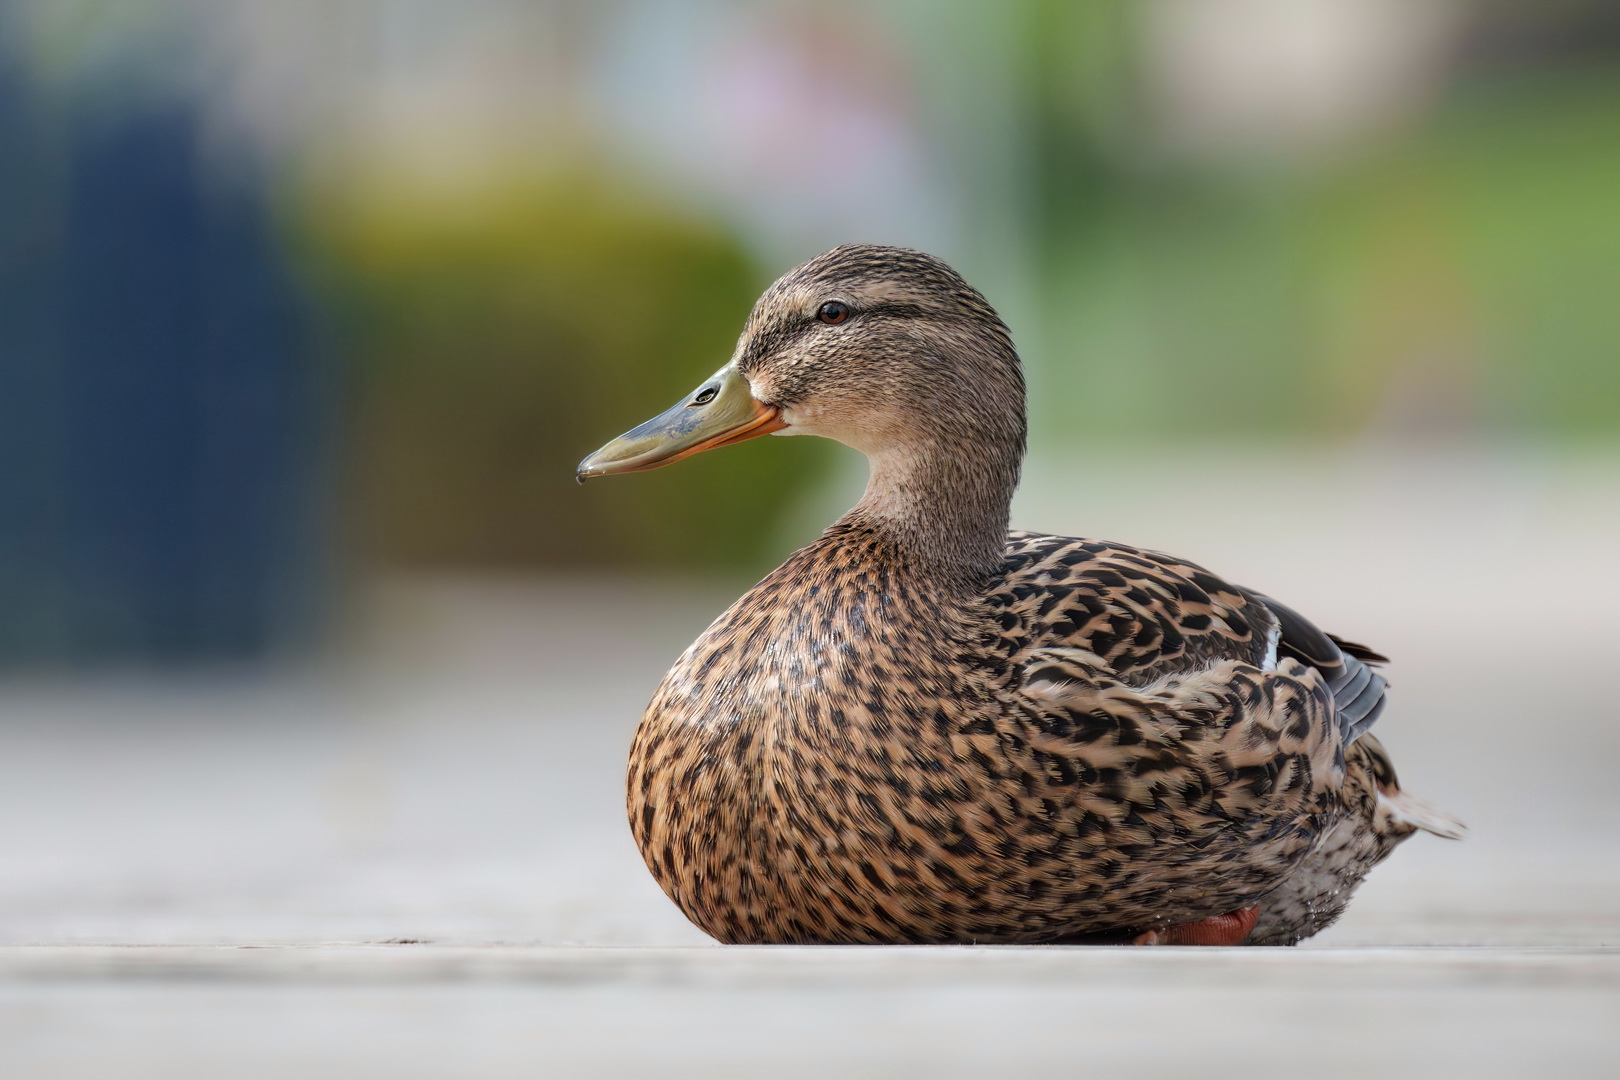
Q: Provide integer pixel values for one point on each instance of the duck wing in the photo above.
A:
(1144, 615)
(1358, 691)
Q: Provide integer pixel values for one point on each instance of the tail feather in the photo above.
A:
(1413, 811)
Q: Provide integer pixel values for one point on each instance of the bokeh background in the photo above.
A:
(298, 293)
(307, 310)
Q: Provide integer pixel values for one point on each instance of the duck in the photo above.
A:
(924, 728)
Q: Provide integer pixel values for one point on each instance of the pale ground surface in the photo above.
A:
(200, 878)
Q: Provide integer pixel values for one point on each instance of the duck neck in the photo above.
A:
(944, 505)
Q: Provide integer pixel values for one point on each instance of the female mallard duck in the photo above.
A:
(924, 728)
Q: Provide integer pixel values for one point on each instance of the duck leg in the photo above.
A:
(1229, 929)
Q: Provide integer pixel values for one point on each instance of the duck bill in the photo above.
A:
(720, 412)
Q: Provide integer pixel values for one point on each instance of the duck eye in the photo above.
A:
(833, 313)
(705, 395)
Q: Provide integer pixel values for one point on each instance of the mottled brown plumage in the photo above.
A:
(922, 728)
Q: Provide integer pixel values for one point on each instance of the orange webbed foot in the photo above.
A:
(1229, 929)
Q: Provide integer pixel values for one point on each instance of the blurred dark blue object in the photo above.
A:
(160, 400)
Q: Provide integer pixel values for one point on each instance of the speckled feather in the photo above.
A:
(922, 728)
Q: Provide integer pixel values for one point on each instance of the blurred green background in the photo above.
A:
(293, 294)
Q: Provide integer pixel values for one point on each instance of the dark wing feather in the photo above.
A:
(1359, 651)
(1358, 691)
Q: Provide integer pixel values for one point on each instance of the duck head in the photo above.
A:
(884, 349)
